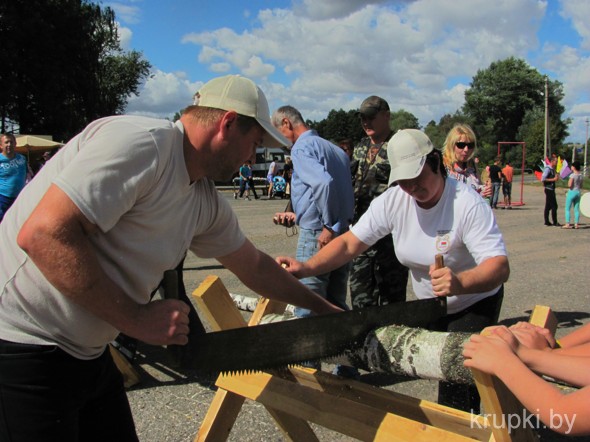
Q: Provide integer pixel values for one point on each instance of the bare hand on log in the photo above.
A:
(489, 353)
(533, 336)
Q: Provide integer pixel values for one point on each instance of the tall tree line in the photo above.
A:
(62, 66)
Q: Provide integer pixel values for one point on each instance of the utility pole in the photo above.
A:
(546, 144)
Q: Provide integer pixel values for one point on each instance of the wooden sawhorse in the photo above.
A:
(368, 413)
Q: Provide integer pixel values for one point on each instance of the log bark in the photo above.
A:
(406, 351)
(249, 303)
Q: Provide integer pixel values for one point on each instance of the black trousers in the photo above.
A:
(48, 395)
(550, 206)
(474, 319)
(250, 183)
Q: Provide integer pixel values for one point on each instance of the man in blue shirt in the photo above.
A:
(322, 199)
(13, 172)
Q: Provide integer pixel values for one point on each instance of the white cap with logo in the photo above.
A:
(240, 94)
(407, 151)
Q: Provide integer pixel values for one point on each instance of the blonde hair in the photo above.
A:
(458, 130)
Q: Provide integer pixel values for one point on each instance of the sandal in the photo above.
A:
(566, 226)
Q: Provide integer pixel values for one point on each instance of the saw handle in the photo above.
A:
(439, 261)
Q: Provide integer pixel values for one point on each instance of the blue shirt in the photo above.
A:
(13, 173)
(245, 172)
(321, 186)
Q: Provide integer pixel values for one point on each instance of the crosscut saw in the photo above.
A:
(281, 344)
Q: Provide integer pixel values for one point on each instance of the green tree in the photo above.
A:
(63, 65)
(338, 125)
(501, 95)
(402, 119)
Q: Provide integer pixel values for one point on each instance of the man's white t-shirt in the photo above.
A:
(461, 226)
(128, 176)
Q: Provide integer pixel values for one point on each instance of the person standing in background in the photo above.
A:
(321, 197)
(508, 174)
(549, 178)
(572, 197)
(323, 204)
(273, 169)
(13, 172)
(287, 173)
(376, 275)
(246, 181)
(346, 146)
(496, 179)
(459, 160)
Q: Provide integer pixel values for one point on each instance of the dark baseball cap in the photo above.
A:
(371, 105)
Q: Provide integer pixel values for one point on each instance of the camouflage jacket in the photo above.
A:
(369, 177)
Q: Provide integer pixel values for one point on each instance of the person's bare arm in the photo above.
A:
(262, 274)
(55, 237)
(493, 355)
(335, 254)
(578, 337)
(486, 276)
(571, 369)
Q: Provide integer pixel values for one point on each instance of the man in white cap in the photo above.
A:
(89, 241)
(429, 214)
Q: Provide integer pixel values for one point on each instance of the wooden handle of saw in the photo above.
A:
(439, 261)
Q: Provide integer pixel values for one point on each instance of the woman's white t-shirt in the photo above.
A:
(461, 226)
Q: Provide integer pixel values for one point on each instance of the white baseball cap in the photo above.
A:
(240, 94)
(407, 151)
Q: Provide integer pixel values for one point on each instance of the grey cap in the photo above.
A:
(372, 105)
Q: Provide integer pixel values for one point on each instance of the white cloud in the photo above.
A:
(125, 36)
(125, 13)
(326, 9)
(420, 55)
(257, 68)
(220, 67)
(417, 54)
(578, 11)
(163, 94)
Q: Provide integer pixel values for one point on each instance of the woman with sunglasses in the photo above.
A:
(458, 158)
(428, 213)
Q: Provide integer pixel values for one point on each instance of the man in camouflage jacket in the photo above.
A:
(376, 276)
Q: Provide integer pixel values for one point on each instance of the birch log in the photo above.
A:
(249, 303)
(406, 351)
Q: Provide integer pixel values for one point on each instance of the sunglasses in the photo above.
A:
(463, 145)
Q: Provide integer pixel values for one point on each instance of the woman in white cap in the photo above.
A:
(427, 214)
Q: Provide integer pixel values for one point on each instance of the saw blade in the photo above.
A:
(281, 344)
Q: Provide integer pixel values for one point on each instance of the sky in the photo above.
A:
(319, 55)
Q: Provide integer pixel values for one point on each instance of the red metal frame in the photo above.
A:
(523, 144)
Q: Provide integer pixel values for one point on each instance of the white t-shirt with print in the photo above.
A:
(461, 226)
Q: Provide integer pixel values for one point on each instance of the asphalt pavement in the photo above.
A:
(549, 266)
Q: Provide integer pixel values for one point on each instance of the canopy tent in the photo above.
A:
(26, 144)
